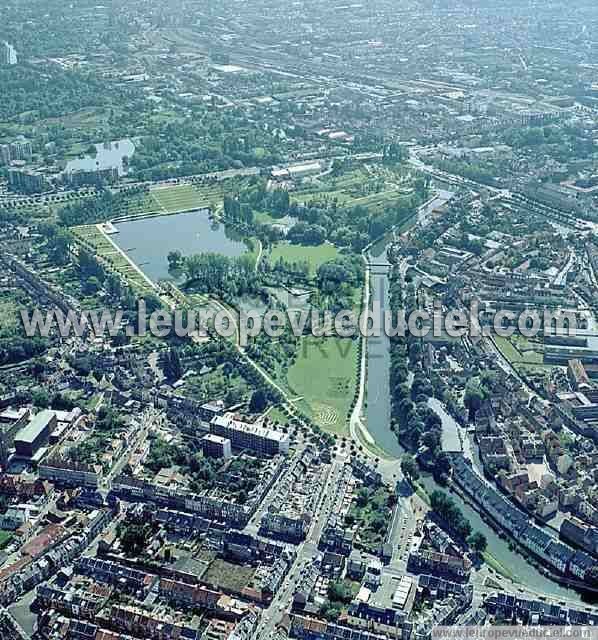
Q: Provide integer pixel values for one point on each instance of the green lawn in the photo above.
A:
(374, 188)
(316, 256)
(184, 197)
(518, 351)
(5, 538)
(279, 416)
(492, 562)
(228, 576)
(324, 375)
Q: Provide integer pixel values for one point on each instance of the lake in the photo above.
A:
(149, 241)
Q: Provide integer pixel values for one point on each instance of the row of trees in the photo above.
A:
(446, 509)
(98, 209)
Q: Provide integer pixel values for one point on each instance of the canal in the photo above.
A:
(524, 572)
(378, 425)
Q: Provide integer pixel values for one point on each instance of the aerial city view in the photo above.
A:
(298, 319)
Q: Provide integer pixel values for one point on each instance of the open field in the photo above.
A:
(372, 187)
(315, 256)
(324, 375)
(518, 351)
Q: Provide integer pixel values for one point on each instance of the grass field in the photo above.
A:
(518, 351)
(5, 538)
(492, 562)
(315, 256)
(324, 375)
(185, 196)
(373, 187)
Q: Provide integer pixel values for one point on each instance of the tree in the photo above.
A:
(92, 285)
(258, 401)
(446, 509)
(477, 541)
(134, 539)
(409, 467)
(40, 398)
(339, 592)
(474, 397)
(171, 365)
(174, 260)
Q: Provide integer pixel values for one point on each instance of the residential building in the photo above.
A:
(214, 446)
(242, 435)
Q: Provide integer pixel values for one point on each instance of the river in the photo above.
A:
(378, 425)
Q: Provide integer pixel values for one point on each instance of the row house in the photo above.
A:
(153, 626)
(384, 620)
(580, 534)
(124, 578)
(306, 628)
(188, 595)
(512, 609)
(493, 451)
(556, 554)
(457, 568)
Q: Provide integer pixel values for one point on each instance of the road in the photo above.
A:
(68, 196)
(357, 431)
(148, 420)
(307, 551)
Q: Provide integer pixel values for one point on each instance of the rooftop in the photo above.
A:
(37, 424)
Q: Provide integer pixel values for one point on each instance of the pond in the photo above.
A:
(149, 241)
(109, 155)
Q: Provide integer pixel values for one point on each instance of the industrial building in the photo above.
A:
(36, 434)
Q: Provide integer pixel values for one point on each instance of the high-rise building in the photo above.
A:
(4, 154)
(27, 181)
(8, 54)
(21, 149)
